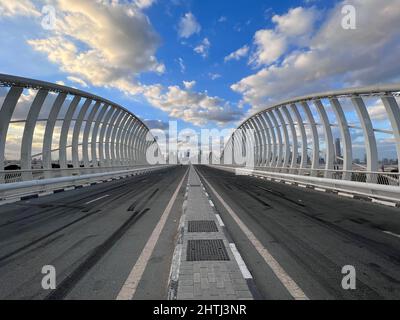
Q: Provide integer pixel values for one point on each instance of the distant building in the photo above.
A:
(338, 151)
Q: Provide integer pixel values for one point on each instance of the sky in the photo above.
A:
(204, 63)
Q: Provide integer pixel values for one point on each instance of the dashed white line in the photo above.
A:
(107, 195)
(211, 203)
(295, 291)
(129, 288)
(239, 260)
(392, 234)
(220, 222)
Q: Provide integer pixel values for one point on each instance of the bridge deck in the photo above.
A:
(107, 238)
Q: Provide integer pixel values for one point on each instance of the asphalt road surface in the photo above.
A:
(92, 236)
(312, 235)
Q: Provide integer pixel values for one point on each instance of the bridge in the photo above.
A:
(296, 219)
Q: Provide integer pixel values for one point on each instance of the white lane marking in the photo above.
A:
(295, 291)
(107, 195)
(221, 223)
(242, 266)
(392, 234)
(211, 203)
(129, 288)
(386, 203)
(347, 195)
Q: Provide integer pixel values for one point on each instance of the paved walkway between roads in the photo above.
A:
(206, 265)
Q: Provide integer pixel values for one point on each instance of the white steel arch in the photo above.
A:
(277, 149)
(109, 136)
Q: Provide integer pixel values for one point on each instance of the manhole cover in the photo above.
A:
(202, 226)
(206, 250)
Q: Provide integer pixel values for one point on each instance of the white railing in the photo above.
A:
(11, 176)
(383, 185)
(17, 189)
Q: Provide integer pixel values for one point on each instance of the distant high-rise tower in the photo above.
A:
(338, 151)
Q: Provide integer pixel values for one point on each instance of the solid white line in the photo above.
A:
(221, 223)
(129, 288)
(392, 234)
(107, 195)
(295, 291)
(242, 265)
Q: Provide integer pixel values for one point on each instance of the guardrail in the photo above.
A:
(19, 189)
(378, 177)
(11, 176)
(383, 191)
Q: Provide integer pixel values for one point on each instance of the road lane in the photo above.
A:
(81, 237)
(312, 235)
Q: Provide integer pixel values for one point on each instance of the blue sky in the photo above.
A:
(204, 63)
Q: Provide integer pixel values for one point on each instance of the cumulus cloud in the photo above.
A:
(77, 80)
(189, 84)
(238, 54)
(333, 56)
(109, 43)
(297, 21)
(188, 26)
(195, 107)
(18, 8)
(203, 48)
(119, 43)
(270, 46)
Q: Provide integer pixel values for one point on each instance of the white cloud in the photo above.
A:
(238, 54)
(297, 21)
(195, 107)
(142, 4)
(214, 76)
(189, 84)
(109, 43)
(291, 28)
(119, 43)
(222, 19)
(333, 57)
(188, 26)
(77, 80)
(270, 46)
(182, 65)
(203, 48)
(18, 8)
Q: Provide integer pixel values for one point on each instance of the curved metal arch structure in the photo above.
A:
(105, 136)
(287, 137)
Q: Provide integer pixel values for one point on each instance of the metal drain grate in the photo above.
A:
(202, 226)
(206, 250)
